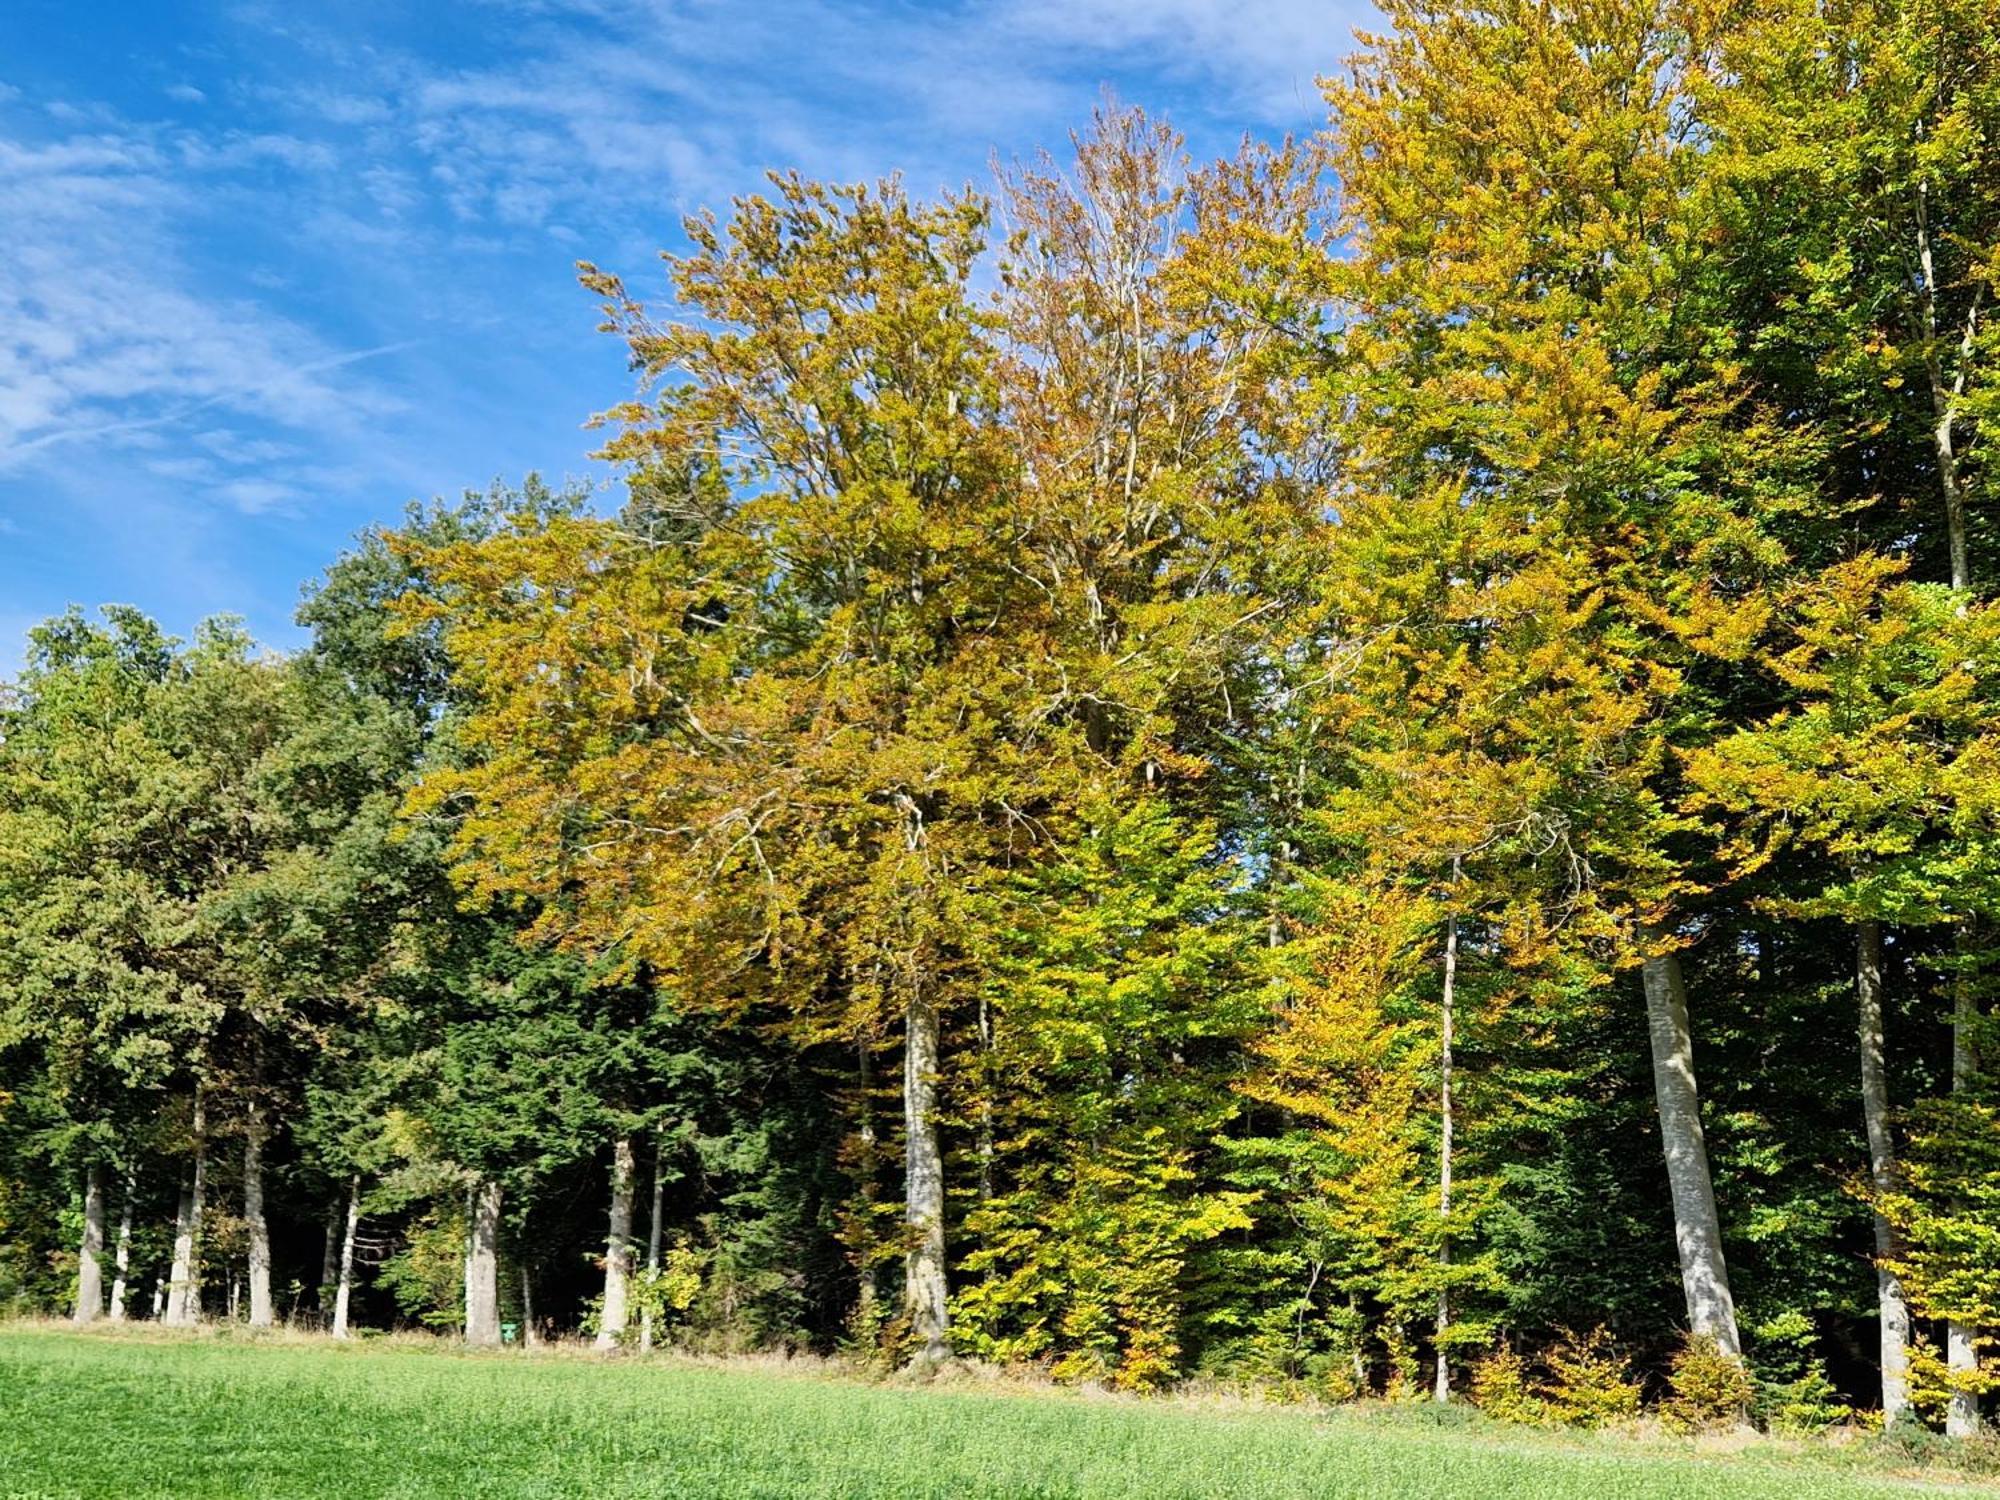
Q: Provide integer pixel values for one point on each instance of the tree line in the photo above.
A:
(1370, 763)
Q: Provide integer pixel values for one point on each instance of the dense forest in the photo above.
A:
(1371, 767)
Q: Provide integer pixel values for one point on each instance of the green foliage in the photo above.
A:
(1793, 1393)
(427, 1276)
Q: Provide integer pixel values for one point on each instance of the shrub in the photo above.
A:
(1501, 1388)
(1710, 1390)
(1589, 1382)
(1793, 1394)
(1805, 1405)
(1404, 1383)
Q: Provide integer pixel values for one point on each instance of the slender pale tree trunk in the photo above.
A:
(1947, 399)
(653, 1243)
(529, 1338)
(1947, 390)
(482, 1268)
(258, 1231)
(986, 1146)
(343, 1294)
(90, 1253)
(1961, 1415)
(866, 1296)
(121, 1262)
(1697, 1231)
(184, 1281)
(1446, 1020)
(177, 1274)
(924, 1288)
(329, 1259)
(618, 1247)
(471, 1192)
(1893, 1311)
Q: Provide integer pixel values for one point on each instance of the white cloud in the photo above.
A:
(209, 320)
(254, 496)
(611, 107)
(111, 343)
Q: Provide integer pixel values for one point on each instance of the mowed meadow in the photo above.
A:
(144, 1413)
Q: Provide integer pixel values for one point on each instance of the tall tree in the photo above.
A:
(1520, 376)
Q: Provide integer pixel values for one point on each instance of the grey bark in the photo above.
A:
(329, 1258)
(1961, 1415)
(1447, 1017)
(986, 1146)
(482, 1268)
(618, 1247)
(1697, 1230)
(1947, 397)
(528, 1336)
(1893, 1313)
(90, 1253)
(653, 1243)
(865, 1298)
(258, 1231)
(121, 1263)
(343, 1294)
(924, 1287)
(1947, 392)
(184, 1280)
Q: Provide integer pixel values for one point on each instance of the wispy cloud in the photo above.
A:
(103, 332)
(264, 283)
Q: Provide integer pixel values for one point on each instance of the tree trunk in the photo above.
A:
(1947, 392)
(122, 1259)
(184, 1283)
(90, 1254)
(343, 1295)
(653, 1244)
(482, 1268)
(257, 1230)
(1893, 1312)
(866, 1295)
(986, 1147)
(1442, 1393)
(177, 1274)
(1947, 396)
(618, 1247)
(529, 1339)
(924, 1288)
(1961, 1415)
(329, 1258)
(1697, 1231)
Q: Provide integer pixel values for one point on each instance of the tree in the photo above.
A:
(1583, 526)
(91, 802)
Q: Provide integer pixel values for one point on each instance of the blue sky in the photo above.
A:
(269, 271)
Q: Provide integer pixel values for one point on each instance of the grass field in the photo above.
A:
(137, 1414)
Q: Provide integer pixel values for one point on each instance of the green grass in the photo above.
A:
(138, 1414)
